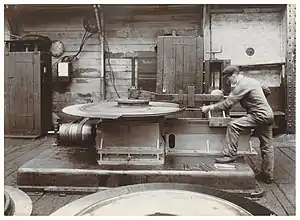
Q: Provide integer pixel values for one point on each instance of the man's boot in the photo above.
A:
(264, 178)
(226, 159)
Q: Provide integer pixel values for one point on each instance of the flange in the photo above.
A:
(163, 199)
(16, 202)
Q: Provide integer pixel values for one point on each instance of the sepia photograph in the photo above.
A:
(185, 109)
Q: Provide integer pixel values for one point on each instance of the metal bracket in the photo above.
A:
(213, 53)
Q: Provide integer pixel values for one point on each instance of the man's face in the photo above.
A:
(232, 79)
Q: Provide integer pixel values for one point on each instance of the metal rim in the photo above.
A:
(97, 203)
(8, 205)
(114, 110)
(22, 204)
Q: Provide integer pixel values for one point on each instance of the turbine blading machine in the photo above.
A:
(136, 140)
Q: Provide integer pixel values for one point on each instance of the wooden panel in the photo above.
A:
(160, 64)
(177, 63)
(169, 64)
(37, 81)
(199, 65)
(24, 94)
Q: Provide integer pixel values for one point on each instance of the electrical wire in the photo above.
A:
(87, 24)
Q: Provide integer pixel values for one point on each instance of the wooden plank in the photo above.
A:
(288, 207)
(168, 65)
(271, 201)
(191, 97)
(289, 191)
(14, 164)
(160, 64)
(285, 164)
(48, 203)
(193, 60)
(199, 64)
(11, 145)
(179, 63)
(288, 152)
(7, 94)
(187, 75)
(37, 92)
(24, 148)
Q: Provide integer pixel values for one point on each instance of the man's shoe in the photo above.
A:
(226, 159)
(264, 178)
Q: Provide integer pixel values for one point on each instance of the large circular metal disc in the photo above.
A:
(163, 199)
(122, 108)
(20, 203)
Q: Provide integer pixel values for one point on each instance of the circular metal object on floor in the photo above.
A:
(16, 202)
(162, 199)
(122, 108)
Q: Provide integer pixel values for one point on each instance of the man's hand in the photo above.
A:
(206, 109)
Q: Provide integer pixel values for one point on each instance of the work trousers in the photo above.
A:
(263, 129)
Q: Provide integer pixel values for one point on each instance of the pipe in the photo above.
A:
(210, 33)
(102, 50)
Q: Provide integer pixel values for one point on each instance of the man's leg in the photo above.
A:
(267, 151)
(234, 128)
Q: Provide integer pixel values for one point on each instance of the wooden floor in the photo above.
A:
(279, 197)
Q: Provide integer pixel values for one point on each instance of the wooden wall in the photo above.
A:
(133, 32)
(67, 27)
(130, 33)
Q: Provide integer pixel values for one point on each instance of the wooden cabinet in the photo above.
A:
(179, 64)
(27, 94)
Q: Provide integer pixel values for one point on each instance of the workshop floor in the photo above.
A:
(279, 197)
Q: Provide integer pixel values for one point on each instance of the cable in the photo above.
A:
(9, 34)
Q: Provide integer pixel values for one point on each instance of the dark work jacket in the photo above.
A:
(252, 96)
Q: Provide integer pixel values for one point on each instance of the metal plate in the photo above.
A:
(162, 199)
(112, 110)
(22, 202)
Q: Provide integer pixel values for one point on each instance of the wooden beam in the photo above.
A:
(177, 98)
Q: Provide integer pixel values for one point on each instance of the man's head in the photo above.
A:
(231, 73)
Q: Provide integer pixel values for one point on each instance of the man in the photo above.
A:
(252, 97)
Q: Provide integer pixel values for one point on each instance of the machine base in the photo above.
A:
(63, 167)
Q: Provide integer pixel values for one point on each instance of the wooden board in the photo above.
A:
(289, 192)
(179, 63)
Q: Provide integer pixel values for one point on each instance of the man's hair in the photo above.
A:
(228, 71)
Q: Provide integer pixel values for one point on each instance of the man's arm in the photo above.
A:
(266, 90)
(234, 97)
